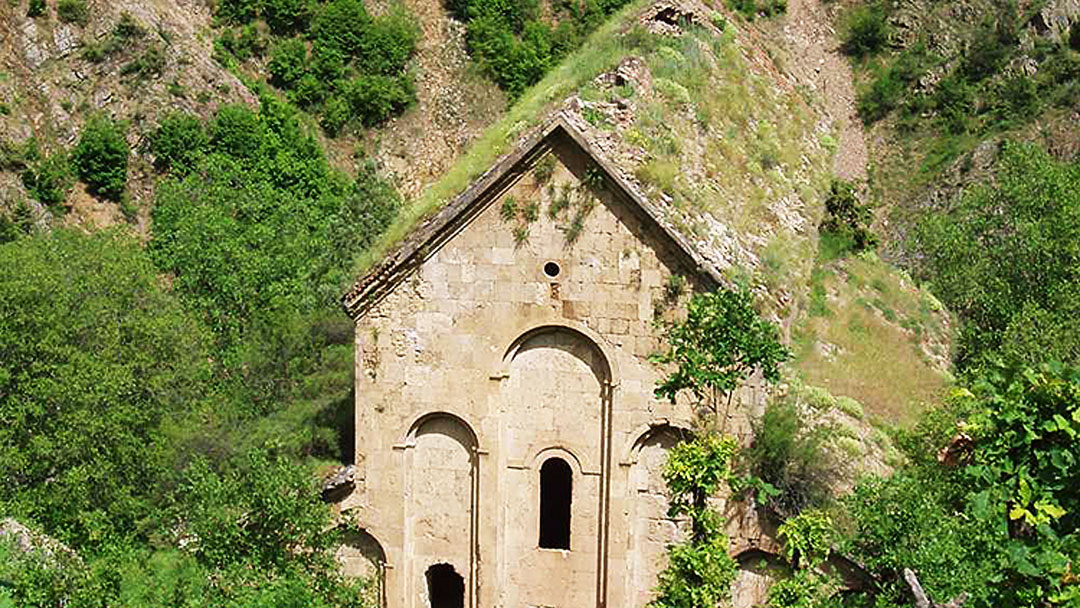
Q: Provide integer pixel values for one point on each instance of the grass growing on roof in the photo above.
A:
(601, 52)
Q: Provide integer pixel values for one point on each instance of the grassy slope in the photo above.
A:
(736, 154)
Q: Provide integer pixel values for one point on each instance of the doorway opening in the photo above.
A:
(446, 588)
(555, 493)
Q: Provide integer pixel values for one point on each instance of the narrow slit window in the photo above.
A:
(555, 493)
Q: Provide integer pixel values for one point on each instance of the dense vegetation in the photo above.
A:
(333, 58)
(179, 394)
(514, 45)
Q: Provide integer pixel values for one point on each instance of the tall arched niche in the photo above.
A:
(441, 498)
(651, 530)
(557, 395)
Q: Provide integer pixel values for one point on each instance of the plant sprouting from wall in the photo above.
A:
(721, 342)
(699, 571)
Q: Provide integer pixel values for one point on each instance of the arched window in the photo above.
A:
(555, 493)
(446, 588)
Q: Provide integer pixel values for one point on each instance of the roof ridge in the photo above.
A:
(382, 277)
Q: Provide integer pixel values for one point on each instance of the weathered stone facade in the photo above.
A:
(514, 329)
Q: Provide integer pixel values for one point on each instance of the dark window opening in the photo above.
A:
(446, 588)
(551, 269)
(555, 486)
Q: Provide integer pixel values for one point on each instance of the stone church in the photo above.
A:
(508, 443)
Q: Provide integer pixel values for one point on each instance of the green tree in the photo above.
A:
(179, 142)
(96, 358)
(721, 342)
(1006, 259)
(101, 157)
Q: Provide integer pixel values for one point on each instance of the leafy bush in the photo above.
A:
(288, 62)
(865, 30)
(355, 69)
(1005, 258)
(512, 45)
(996, 518)
(179, 142)
(846, 225)
(72, 11)
(286, 16)
(101, 157)
(752, 8)
(791, 457)
(48, 180)
(264, 224)
(699, 572)
(37, 8)
(96, 358)
(721, 342)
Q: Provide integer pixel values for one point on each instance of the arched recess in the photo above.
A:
(441, 502)
(651, 530)
(557, 390)
(360, 555)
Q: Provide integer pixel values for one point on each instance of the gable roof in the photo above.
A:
(455, 216)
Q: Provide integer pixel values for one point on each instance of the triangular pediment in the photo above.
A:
(451, 220)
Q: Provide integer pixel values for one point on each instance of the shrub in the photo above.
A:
(720, 342)
(236, 131)
(846, 225)
(286, 16)
(374, 98)
(37, 8)
(791, 457)
(387, 44)
(237, 11)
(101, 157)
(72, 11)
(179, 142)
(866, 30)
(49, 179)
(982, 253)
(335, 115)
(288, 62)
(1074, 36)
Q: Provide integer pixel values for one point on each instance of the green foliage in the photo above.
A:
(803, 589)
(101, 157)
(721, 342)
(806, 538)
(179, 143)
(515, 47)
(846, 225)
(286, 16)
(72, 11)
(96, 358)
(752, 8)
(263, 224)
(699, 571)
(865, 30)
(1000, 523)
(37, 8)
(49, 179)
(791, 458)
(288, 62)
(1005, 260)
(355, 69)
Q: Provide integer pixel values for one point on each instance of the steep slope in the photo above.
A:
(130, 59)
(723, 124)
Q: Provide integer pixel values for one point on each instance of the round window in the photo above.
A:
(551, 269)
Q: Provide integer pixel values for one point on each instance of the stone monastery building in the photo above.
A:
(508, 443)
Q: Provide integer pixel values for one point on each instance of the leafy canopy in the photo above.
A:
(97, 356)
